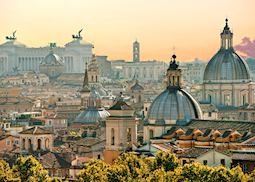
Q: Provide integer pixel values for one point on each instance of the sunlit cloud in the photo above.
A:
(246, 47)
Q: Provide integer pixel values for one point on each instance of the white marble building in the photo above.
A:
(15, 55)
(145, 70)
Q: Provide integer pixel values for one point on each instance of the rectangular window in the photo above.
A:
(210, 114)
(129, 135)
(151, 134)
(8, 142)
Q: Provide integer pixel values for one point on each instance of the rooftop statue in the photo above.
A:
(78, 36)
(13, 37)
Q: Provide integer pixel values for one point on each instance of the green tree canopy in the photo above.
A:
(94, 171)
(5, 171)
(167, 160)
(29, 169)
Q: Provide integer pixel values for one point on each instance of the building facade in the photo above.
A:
(193, 72)
(121, 130)
(147, 70)
(14, 54)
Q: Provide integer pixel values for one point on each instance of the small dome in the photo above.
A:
(78, 42)
(173, 105)
(52, 66)
(52, 59)
(92, 115)
(226, 65)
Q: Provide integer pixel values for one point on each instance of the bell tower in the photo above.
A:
(85, 91)
(136, 51)
(93, 71)
(121, 130)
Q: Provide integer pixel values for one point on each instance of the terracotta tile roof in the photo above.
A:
(53, 160)
(244, 155)
(222, 125)
(194, 152)
(62, 149)
(36, 131)
(89, 141)
(14, 100)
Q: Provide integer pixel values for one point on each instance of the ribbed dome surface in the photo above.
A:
(92, 115)
(226, 66)
(174, 104)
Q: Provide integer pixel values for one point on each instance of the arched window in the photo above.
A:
(140, 99)
(151, 134)
(47, 143)
(227, 100)
(30, 146)
(209, 98)
(39, 144)
(23, 143)
(112, 137)
(244, 100)
(96, 78)
(129, 137)
(92, 78)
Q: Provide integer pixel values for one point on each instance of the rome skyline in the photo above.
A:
(158, 27)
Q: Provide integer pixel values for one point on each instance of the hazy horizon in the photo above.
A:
(193, 27)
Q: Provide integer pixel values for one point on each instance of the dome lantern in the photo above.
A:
(226, 37)
(173, 74)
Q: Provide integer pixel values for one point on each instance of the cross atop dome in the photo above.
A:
(226, 25)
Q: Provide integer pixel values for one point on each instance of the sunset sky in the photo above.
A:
(192, 26)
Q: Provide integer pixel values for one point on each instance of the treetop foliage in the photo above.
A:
(164, 167)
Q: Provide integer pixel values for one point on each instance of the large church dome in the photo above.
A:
(226, 66)
(173, 105)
